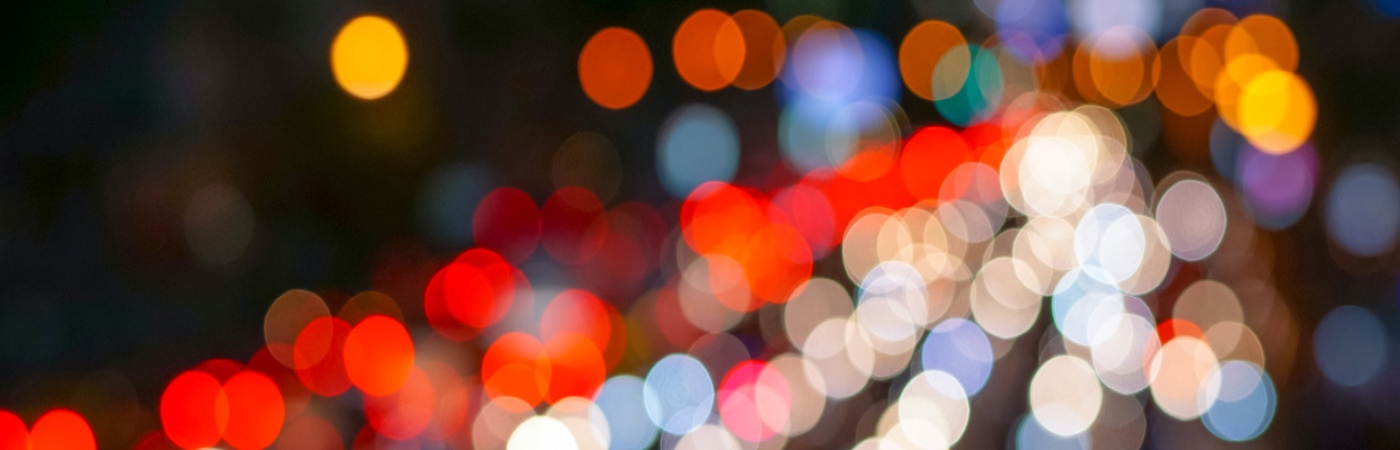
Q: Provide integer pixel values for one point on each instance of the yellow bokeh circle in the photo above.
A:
(1277, 111)
(369, 57)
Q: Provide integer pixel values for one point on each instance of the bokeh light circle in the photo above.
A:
(615, 68)
(1350, 345)
(1363, 210)
(1245, 405)
(1064, 395)
(369, 57)
(959, 347)
(1193, 217)
(679, 394)
(698, 143)
(622, 401)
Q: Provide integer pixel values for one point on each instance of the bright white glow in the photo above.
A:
(541, 433)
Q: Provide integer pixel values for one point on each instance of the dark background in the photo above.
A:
(113, 113)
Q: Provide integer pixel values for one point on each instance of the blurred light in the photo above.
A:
(61, 429)
(935, 399)
(1277, 111)
(754, 401)
(507, 222)
(587, 160)
(1235, 340)
(1266, 36)
(708, 437)
(369, 303)
(1206, 303)
(698, 143)
(862, 126)
(1230, 85)
(1114, 67)
(960, 348)
(764, 49)
(291, 313)
(474, 291)
(1109, 243)
(1064, 395)
(188, 410)
(574, 225)
(1082, 305)
(1193, 218)
(255, 411)
(1363, 210)
(836, 65)
(1045, 248)
(369, 57)
(904, 289)
(679, 394)
(709, 49)
(309, 432)
(1156, 260)
(1001, 302)
(1180, 374)
(921, 50)
(1051, 171)
(1030, 434)
(218, 224)
(929, 157)
(576, 366)
(542, 432)
(967, 84)
(1094, 17)
(14, 435)
(816, 301)
(1176, 88)
(1044, 22)
(802, 133)
(585, 421)
(516, 367)
(839, 354)
(713, 293)
(615, 68)
(378, 355)
(809, 210)
(198, 410)
(1246, 403)
(1350, 345)
(808, 393)
(1123, 347)
(826, 61)
(1277, 188)
(497, 422)
(319, 358)
(622, 402)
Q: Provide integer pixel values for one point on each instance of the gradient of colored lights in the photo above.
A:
(1350, 345)
(951, 236)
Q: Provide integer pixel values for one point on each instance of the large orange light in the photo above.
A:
(378, 355)
(615, 68)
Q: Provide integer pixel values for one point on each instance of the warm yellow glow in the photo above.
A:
(1277, 112)
(369, 57)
